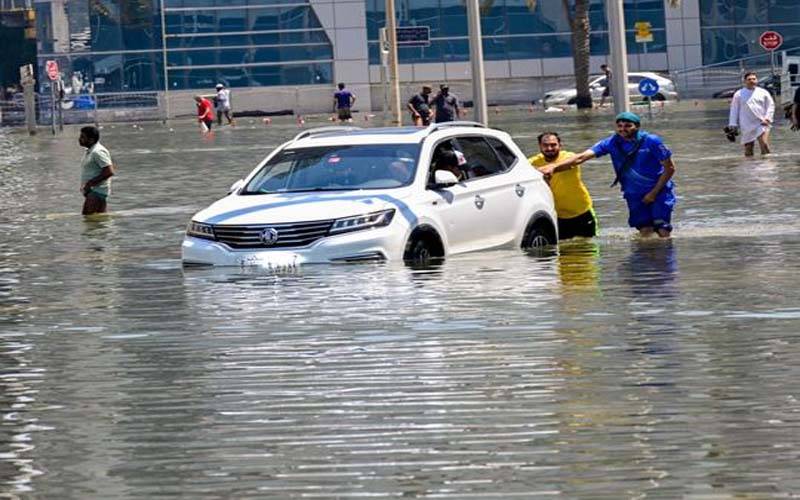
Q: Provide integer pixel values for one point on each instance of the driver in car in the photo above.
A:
(448, 160)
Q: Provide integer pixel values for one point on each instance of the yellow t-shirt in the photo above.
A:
(570, 194)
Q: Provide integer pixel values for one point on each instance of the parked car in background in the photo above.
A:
(342, 194)
(772, 83)
(567, 95)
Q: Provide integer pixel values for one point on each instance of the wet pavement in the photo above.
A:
(618, 368)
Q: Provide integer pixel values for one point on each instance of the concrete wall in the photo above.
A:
(508, 82)
(302, 99)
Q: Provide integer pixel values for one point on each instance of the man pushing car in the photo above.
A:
(644, 169)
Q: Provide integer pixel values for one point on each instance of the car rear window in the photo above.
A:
(505, 154)
(480, 157)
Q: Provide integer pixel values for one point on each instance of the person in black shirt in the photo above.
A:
(796, 110)
(447, 107)
(420, 108)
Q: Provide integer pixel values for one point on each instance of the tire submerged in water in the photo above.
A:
(423, 247)
(539, 236)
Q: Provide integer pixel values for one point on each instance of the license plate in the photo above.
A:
(280, 261)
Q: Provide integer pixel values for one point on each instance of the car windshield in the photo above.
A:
(337, 168)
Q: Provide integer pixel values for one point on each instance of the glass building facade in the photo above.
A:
(510, 29)
(121, 45)
(730, 28)
(117, 45)
(245, 43)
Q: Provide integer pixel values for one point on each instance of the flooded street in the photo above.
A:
(618, 368)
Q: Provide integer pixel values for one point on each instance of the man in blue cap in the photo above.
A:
(644, 169)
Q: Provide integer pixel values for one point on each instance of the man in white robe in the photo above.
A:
(752, 112)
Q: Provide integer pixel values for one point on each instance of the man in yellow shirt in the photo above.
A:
(576, 216)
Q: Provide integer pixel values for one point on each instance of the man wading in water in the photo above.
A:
(644, 169)
(96, 172)
(752, 112)
(576, 216)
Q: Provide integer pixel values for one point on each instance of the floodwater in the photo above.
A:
(618, 368)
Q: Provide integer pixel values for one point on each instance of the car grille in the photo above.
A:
(296, 234)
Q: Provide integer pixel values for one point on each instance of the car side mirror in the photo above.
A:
(444, 178)
(236, 186)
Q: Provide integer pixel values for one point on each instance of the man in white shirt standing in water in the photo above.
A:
(223, 104)
(752, 112)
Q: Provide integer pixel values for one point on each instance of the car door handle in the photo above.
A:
(519, 189)
(479, 201)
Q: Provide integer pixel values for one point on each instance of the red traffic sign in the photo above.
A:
(52, 69)
(770, 40)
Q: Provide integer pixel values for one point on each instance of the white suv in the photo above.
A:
(343, 194)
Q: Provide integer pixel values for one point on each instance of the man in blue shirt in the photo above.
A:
(343, 100)
(644, 169)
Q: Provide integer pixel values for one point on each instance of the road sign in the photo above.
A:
(413, 36)
(52, 69)
(26, 74)
(648, 87)
(643, 33)
(770, 40)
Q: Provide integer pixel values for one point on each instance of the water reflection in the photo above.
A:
(579, 265)
(18, 401)
(651, 269)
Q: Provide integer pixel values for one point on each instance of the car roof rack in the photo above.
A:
(323, 130)
(434, 127)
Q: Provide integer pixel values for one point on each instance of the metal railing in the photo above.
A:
(704, 81)
(112, 107)
(12, 112)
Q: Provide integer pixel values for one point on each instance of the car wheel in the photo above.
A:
(423, 247)
(420, 252)
(572, 101)
(539, 235)
(659, 97)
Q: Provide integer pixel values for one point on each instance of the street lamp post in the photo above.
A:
(165, 74)
(394, 76)
(476, 58)
(619, 56)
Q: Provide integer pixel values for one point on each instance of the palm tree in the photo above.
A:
(578, 17)
(579, 23)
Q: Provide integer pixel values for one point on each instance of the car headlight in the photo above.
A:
(359, 222)
(200, 230)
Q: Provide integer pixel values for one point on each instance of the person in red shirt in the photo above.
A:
(205, 112)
